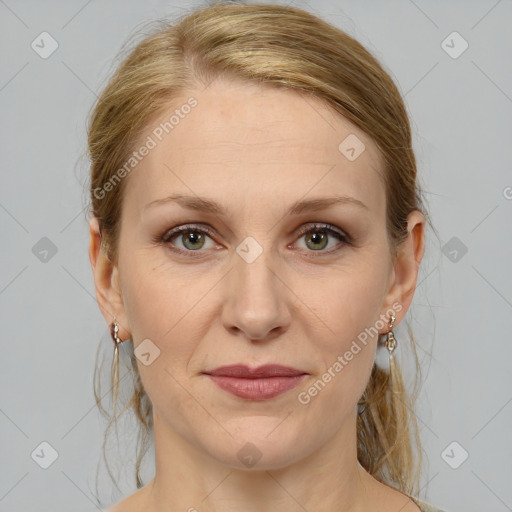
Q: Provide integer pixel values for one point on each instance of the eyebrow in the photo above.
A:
(207, 205)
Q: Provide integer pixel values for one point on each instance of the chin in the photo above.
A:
(258, 444)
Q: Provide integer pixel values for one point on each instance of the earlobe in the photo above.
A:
(106, 282)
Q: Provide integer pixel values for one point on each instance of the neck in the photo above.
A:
(328, 479)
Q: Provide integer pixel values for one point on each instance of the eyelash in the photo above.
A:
(166, 238)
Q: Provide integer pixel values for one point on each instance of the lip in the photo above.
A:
(261, 383)
(243, 371)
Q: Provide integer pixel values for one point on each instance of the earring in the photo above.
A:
(390, 340)
(114, 329)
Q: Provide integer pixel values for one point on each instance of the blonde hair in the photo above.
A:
(284, 47)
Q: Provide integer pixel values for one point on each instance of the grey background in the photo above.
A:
(461, 110)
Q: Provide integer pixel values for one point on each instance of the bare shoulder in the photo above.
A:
(393, 500)
(410, 506)
(389, 499)
(401, 502)
(133, 503)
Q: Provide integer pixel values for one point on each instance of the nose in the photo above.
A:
(256, 303)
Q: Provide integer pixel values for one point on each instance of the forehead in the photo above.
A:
(244, 142)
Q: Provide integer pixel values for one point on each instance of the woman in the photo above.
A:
(256, 231)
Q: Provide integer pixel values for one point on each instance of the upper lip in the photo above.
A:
(243, 371)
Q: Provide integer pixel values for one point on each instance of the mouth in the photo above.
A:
(260, 383)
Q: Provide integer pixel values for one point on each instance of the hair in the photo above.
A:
(282, 47)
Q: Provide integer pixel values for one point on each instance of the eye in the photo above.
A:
(193, 238)
(317, 237)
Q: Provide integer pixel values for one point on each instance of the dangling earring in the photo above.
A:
(114, 329)
(391, 343)
(390, 340)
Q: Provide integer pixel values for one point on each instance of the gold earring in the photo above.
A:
(390, 340)
(114, 329)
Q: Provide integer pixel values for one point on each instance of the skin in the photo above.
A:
(256, 150)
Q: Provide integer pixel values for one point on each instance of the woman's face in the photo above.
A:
(244, 285)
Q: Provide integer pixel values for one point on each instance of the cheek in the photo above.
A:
(154, 315)
(345, 334)
(346, 304)
(345, 362)
(154, 299)
(169, 310)
(164, 320)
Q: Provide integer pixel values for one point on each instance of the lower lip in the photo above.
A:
(257, 389)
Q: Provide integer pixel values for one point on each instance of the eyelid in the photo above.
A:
(171, 233)
(324, 225)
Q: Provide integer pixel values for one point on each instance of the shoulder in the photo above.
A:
(427, 507)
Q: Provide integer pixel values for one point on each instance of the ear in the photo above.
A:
(106, 281)
(405, 268)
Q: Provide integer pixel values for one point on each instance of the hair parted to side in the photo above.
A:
(284, 47)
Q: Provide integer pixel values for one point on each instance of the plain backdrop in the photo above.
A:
(458, 91)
